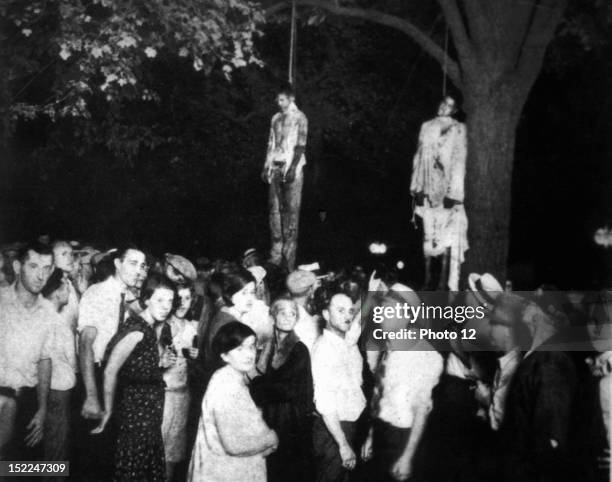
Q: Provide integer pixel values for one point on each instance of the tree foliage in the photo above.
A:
(65, 55)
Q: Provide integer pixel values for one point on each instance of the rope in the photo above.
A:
(292, 46)
(444, 66)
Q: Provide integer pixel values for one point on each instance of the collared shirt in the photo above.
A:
(409, 377)
(63, 356)
(506, 367)
(307, 328)
(287, 130)
(100, 308)
(26, 338)
(337, 376)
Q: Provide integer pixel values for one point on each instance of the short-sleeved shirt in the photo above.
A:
(337, 376)
(26, 338)
(100, 309)
(409, 377)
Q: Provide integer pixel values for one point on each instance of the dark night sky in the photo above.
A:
(561, 190)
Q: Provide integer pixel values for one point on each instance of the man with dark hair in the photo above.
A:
(285, 160)
(101, 310)
(63, 377)
(25, 350)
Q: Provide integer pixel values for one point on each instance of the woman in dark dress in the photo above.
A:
(133, 371)
(285, 392)
(237, 290)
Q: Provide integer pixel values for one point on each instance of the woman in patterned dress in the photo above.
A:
(133, 372)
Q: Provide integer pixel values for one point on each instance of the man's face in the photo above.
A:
(130, 268)
(340, 313)
(185, 299)
(174, 274)
(64, 258)
(283, 102)
(447, 107)
(34, 271)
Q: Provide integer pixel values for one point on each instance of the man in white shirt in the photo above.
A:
(101, 310)
(25, 350)
(63, 377)
(406, 373)
(337, 376)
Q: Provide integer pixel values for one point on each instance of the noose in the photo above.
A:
(444, 64)
(292, 44)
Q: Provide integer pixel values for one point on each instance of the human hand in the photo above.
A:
(419, 198)
(193, 353)
(402, 468)
(167, 359)
(366, 448)
(373, 282)
(100, 428)
(266, 174)
(483, 393)
(35, 429)
(449, 203)
(290, 176)
(91, 408)
(349, 459)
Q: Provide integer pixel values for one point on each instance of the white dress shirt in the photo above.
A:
(100, 309)
(409, 377)
(337, 375)
(26, 337)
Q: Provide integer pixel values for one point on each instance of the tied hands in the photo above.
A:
(448, 203)
(268, 174)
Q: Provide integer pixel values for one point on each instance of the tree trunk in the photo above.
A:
(492, 118)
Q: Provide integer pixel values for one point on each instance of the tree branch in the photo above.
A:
(540, 33)
(453, 18)
(381, 18)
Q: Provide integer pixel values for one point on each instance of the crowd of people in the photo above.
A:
(135, 368)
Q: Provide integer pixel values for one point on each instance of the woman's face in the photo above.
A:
(185, 300)
(160, 304)
(243, 299)
(286, 316)
(242, 358)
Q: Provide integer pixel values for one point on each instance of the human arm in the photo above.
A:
(417, 181)
(299, 149)
(91, 406)
(402, 468)
(287, 382)
(349, 459)
(267, 169)
(242, 430)
(117, 358)
(36, 425)
(456, 180)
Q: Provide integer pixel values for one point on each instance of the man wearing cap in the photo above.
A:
(301, 285)
(179, 269)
